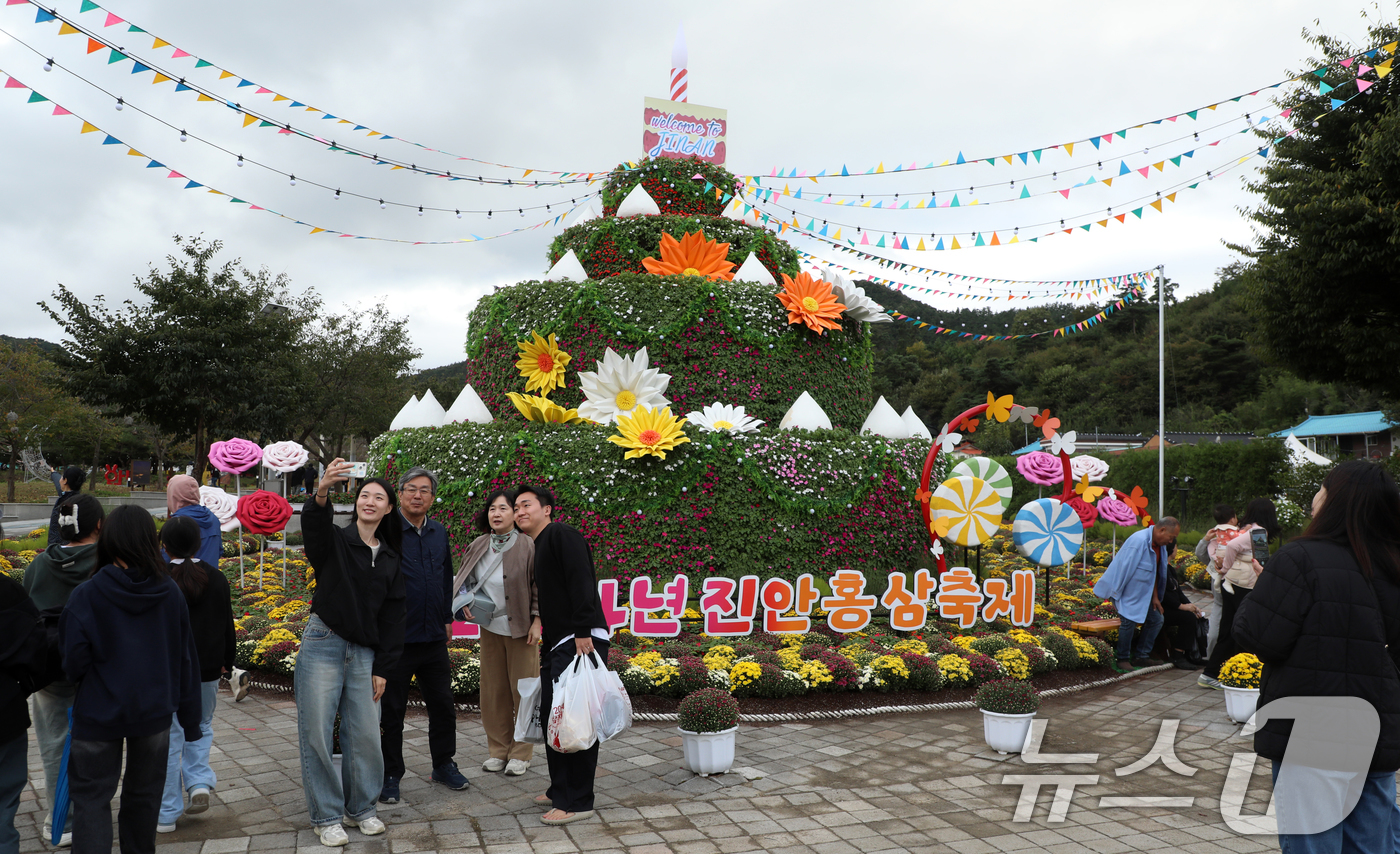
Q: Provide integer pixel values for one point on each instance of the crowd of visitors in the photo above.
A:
(120, 636)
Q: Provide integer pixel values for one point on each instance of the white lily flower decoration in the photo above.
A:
(723, 417)
(947, 441)
(1063, 443)
(620, 385)
(858, 305)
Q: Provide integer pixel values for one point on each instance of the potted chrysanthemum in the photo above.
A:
(709, 719)
(1239, 677)
(1007, 705)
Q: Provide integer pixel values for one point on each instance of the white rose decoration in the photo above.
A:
(284, 456)
(222, 505)
(1094, 467)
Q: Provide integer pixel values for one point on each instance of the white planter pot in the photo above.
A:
(1240, 703)
(708, 753)
(1005, 733)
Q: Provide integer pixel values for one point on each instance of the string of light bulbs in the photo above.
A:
(1096, 139)
(265, 120)
(338, 192)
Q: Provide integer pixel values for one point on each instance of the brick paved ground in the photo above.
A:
(887, 784)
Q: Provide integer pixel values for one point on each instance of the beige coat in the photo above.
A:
(518, 572)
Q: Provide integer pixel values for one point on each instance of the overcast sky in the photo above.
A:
(560, 85)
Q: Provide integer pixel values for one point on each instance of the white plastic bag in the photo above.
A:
(614, 706)
(572, 716)
(527, 717)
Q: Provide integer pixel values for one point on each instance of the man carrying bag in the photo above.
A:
(573, 626)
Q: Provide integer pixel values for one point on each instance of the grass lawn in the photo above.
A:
(35, 492)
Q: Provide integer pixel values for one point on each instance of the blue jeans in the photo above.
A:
(1371, 828)
(14, 774)
(1150, 626)
(188, 761)
(333, 676)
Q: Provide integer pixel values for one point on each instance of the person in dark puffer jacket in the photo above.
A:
(1324, 619)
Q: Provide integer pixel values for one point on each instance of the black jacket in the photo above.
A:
(24, 657)
(427, 574)
(128, 645)
(357, 597)
(568, 588)
(211, 621)
(1313, 620)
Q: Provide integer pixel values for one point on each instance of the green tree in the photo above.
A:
(353, 377)
(202, 356)
(33, 405)
(1323, 275)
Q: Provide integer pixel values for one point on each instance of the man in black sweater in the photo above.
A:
(572, 616)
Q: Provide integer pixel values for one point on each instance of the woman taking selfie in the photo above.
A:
(498, 574)
(352, 641)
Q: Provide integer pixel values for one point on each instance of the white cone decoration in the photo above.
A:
(567, 269)
(915, 425)
(399, 420)
(752, 270)
(637, 203)
(884, 421)
(469, 408)
(583, 214)
(805, 414)
(430, 412)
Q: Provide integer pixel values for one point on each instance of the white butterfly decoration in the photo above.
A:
(1063, 443)
(948, 441)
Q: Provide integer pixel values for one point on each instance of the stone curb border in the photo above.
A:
(795, 717)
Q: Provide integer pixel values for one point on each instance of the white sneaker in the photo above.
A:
(516, 767)
(493, 764)
(199, 800)
(368, 826)
(165, 828)
(238, 681)
(64, 841)
(332, 835)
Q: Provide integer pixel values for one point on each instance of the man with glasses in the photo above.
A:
(428, 574)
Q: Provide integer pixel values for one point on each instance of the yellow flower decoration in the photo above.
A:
(999, 407)
(536, 408)
(1014, 662)
(542, 364)
(692, 255)
(811, 302)
(1242, 671)
(649, 431)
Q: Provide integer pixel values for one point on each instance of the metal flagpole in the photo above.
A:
(1161, 391)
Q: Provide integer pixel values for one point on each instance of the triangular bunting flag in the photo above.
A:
(89, 127)
(88, 6)
(94, 45)
(68, 29)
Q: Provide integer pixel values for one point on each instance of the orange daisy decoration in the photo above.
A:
(810, 301)
(692, 255)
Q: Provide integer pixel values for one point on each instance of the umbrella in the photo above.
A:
(60, 789)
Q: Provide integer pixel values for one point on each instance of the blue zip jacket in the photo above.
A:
(128, 645)
(211, 542)
(428, 574)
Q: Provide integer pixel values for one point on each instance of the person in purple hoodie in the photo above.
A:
(182, 499)
(128, 645)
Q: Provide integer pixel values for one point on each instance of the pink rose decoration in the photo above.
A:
(1117, 512)
(264, 512)
(236, 455)
(1086, 511)
(1041, 468)
(284, 456)
(222, 505)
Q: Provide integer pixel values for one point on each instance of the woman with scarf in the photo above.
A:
(182, 499)
(498, 573)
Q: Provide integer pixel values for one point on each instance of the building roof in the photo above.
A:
(1090, 442)
(1348, 424)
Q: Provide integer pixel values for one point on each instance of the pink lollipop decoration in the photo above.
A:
(1041, 468)
(1117, 512)
(236, 455)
